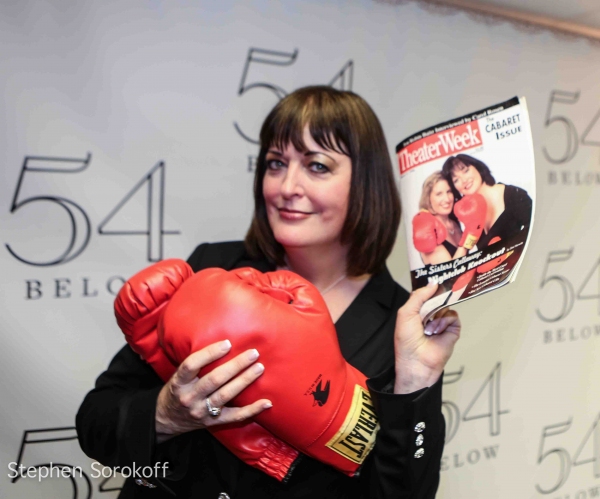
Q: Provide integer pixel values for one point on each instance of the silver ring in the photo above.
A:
(214, 412)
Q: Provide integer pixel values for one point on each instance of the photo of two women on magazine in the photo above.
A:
(463, 209)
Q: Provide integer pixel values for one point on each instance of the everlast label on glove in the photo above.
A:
(356, 437)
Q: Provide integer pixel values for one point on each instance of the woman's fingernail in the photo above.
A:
(268, 404)
(431, 281)
(225, 345)
(429, 327)
(258, 368)
(253, 354)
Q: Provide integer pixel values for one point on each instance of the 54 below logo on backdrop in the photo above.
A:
(484, 410)
(69, 236)
(564, 140)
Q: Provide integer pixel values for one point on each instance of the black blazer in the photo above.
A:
(115, 423)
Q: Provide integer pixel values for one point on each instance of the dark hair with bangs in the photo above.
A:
(343, 122)
(453, 162)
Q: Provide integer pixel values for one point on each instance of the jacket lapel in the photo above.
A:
(366, 313)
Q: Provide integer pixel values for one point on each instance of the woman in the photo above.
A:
(508, 207)
(437, 199)
(326, 207)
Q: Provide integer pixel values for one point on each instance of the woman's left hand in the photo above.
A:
(422, 352)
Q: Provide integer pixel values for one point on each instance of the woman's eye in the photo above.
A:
(274, 164)
(318, 167)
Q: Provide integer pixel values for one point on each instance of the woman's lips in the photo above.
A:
(292, 214)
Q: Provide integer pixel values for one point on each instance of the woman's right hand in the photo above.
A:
(181, 404)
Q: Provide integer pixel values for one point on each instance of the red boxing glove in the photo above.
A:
(463, 280)
(428, 232)
(471, 210)
(138, 306)
(321, 405)
(492, 264)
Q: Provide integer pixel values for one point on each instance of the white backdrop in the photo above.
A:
(137, 84)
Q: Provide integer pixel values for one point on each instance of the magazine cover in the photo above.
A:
(468, 194)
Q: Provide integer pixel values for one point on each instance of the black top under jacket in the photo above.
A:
(515, 217)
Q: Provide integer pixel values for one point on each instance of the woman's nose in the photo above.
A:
(292, 182)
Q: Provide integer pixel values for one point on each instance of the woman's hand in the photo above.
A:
(422, 353)
(181, 404)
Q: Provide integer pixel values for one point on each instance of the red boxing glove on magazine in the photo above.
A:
(471, 211)
(428, 232)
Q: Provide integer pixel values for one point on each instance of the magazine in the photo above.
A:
(468, 195)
